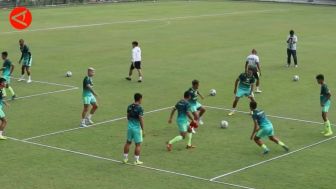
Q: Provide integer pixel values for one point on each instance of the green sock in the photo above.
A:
(328, 126)
(189, 139)
(4, 92)
(176, 139)
(11, 91)
(264, 147)
(281, 143)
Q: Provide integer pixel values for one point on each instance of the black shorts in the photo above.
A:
(256, 75)
(136, 65)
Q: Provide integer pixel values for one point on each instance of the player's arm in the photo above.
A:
(259, 70)
(171, 115)
(327, 98)
(190, 116)
(141, 119)
(252, 88)
(88, 86)
(236, 85)
(29, 53)
(255, 129)
(202, 97)
(246, 64)
(134, 53)
(11, 69)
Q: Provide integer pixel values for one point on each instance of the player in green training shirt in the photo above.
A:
(2, 113)
(263, 128)
(184, 112)
(89, 99)
(325, 104)
(135, 131)
(7, 70)
(245, 88)
(26, 60)
(196, 108)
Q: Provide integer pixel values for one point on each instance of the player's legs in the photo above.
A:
(295, 58)
(126, 150)
(288, 57)
(22, 72)
(27, 68)
(137, 154)
(234, 105)
(140, 75)
(189, 137)
(183, 127)
(9, 88)
(277, 141)
(130, 72)
(327, 131)
(2, 125)
(84, 114)
(259, 142)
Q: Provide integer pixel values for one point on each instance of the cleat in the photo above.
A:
(231, 113)
(82, 125)
(13, 97)
(139, 81)
(169, 147)
(21, 79)
(287, 65)
(88, 122)
(286, 148)
(125, 160)
(190, 147)
(328, 133)
(258, 91)
(296, 66)
(266, 151)
(29, 81)
(2, 137)
(324, 132)
(128, 78)
(200, 122)
(138, 162)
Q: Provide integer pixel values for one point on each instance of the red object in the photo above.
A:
(20, 18)
(193, 124)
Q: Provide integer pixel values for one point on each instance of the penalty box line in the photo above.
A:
(274, 116)
(95, 124)
(119, 162)
(273, 159)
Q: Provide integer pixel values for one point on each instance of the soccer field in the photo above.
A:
(180, 41)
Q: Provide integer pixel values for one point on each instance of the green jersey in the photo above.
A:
(6, 68)
(324, 93)
(182, 107)
(86, 90)
(193, 94)
(134, 112)
(260, 117)
(245, 81)
(26, 54)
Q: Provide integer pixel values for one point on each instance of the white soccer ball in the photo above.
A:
(296, 78)
(213, 92)
(68, 74)
(224, 124)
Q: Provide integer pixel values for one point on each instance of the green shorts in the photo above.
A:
(89, 100)
(2, 113)
(134, 134)
(27, 62)
(195, 106)
(7, 77)
(265, 132)
(326, 106)
(244, 92)
(183, 125)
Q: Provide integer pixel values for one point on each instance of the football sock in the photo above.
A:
(1, 133)
(11, 91)
(83, 121)
(140, 78)
(281, 143)
(264, 147)
(189, 138)
(89, 116)
(176, 139)
(125, 156)
(29, 77)
(136, 158)
(328, 125)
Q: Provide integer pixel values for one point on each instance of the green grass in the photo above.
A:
(178, 45)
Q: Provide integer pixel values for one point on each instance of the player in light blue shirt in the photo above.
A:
(263, 128)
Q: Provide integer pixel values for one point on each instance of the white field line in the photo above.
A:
(146, 20)
(49, 83)
(119, 162)
(272, 159)
(95, 124)
(275, 116)
(46, 93)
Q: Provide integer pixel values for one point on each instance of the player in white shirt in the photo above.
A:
(252, 62)
(291, 48)
(136, 61)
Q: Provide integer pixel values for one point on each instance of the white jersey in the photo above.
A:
(136, 54)
(291, 42)
(252, 61)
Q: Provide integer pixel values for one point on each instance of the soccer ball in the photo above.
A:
(296, 78)
(213, 92)
(224, 124)
(68, 74)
